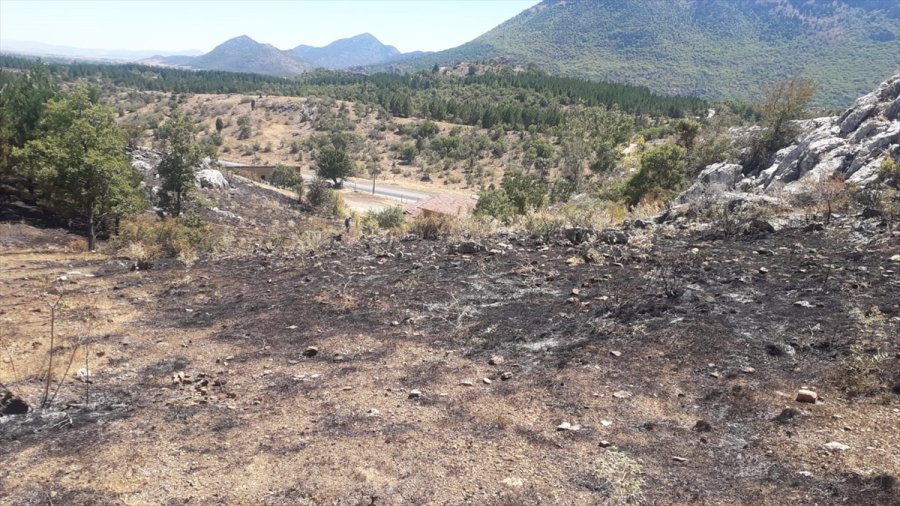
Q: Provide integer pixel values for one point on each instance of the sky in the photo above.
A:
(169, 25)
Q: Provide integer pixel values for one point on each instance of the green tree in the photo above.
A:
(661, 174)
(22, 101)
(79, 158)
(781, 102)
(220, 125)
(590, 139)
(181, 156)
(334, 164)
(285, 177)
(408, 153)
(687, 130)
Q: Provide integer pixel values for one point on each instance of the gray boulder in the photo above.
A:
(212, 179)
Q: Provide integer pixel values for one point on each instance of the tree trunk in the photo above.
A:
(92, 232)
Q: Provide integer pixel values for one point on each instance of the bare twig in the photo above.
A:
(53, 308)
(65, 375)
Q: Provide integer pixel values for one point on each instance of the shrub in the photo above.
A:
(146, 238)
(890, 172)
(389, 218)
(324, 199)
(432, 226)
(660, 175)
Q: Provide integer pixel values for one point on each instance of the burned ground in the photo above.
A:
(677, 356)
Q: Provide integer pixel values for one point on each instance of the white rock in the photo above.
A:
(834, 446)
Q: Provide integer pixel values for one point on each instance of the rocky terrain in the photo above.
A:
(679, 367)
(850, 147)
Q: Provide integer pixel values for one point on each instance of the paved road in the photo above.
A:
(390, 192)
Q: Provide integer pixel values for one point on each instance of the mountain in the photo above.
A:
(243, 54)
(40, 49)
(712, 48)
(361, 50)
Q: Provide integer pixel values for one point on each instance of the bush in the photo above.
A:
(324, 199)
(432, 226)
(147, 238)
(890, 172)
(660, 175)
(389, 218)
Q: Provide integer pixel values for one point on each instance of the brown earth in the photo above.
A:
(201, 392)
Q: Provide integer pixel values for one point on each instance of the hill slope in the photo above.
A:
(243, 54)
(712, 48)
(362, 49)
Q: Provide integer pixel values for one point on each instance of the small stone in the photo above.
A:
(573, 261)
(715, 374)
(834, 446)
(486, 381)
(415, 394)
(605, 423)
(568, 426)
(395, 323)
(506, 375)
(604, 443)
(83, 375)
(622, 394)
(763, 270)
(808, 396)
(748, 370)
(292, 327)
(311, 351)
(496, 360)
(803, 303)
(12, 405)
(679, 459)
(615, 353)
(466, 383)
(338, 357)
(895, 258)
(576, 291)
(373, 412)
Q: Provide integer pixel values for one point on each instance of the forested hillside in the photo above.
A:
(711, 48)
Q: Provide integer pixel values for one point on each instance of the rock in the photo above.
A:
(679, 459)
(212, 179)
(311, 351)
(787, 414)
(12, 405)
(807, 396)
(592, 256)
(604, 443)
(466, 383)
(415, 394)
(573, 261)
(834, 446)
(622, 394)
(803, 303)
(83, 375)
(468, 248)
(748, 370)
(566, 426)
(338, 357)
(496, 360)
(506, 375)
(613, 236)
(373, 412)
(702, 426)
(615, 353)
(895, 258)
(486, 381)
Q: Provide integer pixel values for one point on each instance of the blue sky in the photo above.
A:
(169, 25)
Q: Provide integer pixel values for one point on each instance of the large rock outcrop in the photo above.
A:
(851, 146)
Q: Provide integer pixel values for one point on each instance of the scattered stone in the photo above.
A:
(486, 381)
(395, 323)
(679, 459)
(506, 375)
(803, 303)
(715, 374)
(12, 405)
(605, 423)
(496, 360)
(622, 394)
(311, 351)
(702, 426)
(763, 270)
(604, 443)
(338, 357)
(373, 412)
(834, 446)
(809, 396)
(466, 383)
(814, 227)
(415, 394)
(468, 248)
(895, 258)
(615, 353)
(566, 426)
(748, 370)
